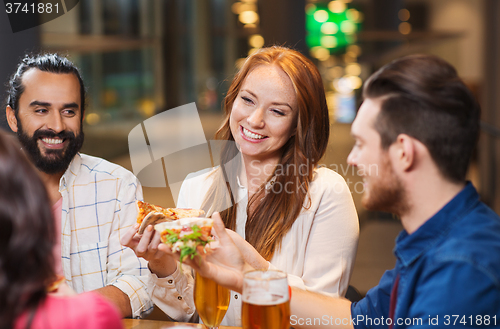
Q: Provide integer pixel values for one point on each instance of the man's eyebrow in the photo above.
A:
(71, 105)
(38, 103)
(68, 105)
(356, 136)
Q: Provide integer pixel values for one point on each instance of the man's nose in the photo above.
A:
(351, 158)
(55, 122)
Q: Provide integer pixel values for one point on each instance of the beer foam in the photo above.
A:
(266, 299)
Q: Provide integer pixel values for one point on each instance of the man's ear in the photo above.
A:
(11, 118)
(403, 152)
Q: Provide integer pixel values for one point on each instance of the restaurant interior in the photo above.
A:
(140, 58)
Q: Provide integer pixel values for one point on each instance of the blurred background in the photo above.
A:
(142, 57)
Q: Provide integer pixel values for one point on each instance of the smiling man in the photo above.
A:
(93, 200)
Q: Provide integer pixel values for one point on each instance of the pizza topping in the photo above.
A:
(145, 208)
(186, 235)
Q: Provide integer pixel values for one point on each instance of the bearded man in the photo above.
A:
(93, 200)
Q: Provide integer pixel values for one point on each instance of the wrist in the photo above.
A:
(160, 269)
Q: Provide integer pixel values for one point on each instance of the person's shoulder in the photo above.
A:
(105, 314)
(93, 164)
(475, 240)
(324, 173)
(87, 310)
(201, 177)
(325, 179)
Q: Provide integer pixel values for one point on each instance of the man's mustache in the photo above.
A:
(40, 133)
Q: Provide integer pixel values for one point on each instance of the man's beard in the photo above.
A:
(54, 161)
(386, 192)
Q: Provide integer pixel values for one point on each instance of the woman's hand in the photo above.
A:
(221, 260)
(251, 256)
(146, 246)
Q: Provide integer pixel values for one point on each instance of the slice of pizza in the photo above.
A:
(150, 214)
(185, 235)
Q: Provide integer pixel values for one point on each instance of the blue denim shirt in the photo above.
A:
(449, 272)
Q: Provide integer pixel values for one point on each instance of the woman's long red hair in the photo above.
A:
(272, 213)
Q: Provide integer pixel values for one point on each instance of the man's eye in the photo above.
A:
(41, 110)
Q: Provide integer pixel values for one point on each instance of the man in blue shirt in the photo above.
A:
(415, 133)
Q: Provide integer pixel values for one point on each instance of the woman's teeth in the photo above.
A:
(52, 141)
(251, 134)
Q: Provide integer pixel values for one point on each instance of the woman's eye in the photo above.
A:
(246, 99)
(278, 112)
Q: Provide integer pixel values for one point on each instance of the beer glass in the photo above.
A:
(211, 301)
(266, 300)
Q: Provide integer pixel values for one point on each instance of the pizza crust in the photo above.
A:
(150, 214)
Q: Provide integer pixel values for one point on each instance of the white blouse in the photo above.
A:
(317, 253)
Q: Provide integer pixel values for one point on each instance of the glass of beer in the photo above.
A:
(211, 301)
(266, 300)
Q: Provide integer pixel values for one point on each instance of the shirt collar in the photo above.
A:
(410, 247)
(71, 172)
(268, 184)
(241, 186)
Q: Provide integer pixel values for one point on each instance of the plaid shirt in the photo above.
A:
(98, 207)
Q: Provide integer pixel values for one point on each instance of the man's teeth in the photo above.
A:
(52, 141)
(251, 134)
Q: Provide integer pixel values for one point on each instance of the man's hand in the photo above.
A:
(146, 246)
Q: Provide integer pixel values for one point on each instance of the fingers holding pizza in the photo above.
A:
(145, 241)
(219, 260)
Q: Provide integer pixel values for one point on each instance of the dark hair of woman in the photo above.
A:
(27, 235)
(271, 214)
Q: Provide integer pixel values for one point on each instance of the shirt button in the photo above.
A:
(170, 281)
(179, 297)
(235, 296)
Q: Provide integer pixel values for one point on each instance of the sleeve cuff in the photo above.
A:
(174, 294)
(136, 290)
(293, 280)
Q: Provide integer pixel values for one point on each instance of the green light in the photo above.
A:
(330, 30)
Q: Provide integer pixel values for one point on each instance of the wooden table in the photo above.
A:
(151, 324)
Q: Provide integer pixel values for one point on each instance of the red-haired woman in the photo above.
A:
(297, 217)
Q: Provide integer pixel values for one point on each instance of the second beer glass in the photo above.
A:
(211, 301)
(266, 300)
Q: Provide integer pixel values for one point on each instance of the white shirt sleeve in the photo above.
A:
(125, 270)
(174, 294)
